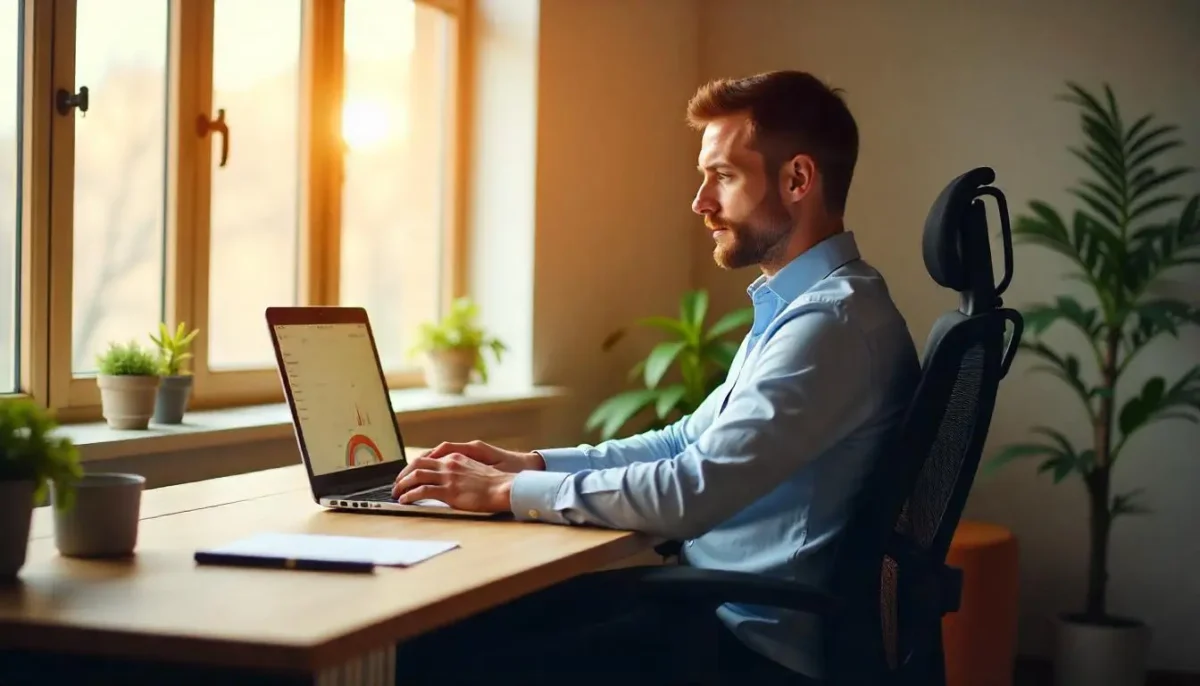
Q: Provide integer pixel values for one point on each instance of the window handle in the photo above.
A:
(64, 100)
(204, 126)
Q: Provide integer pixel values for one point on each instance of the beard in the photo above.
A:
(758, 240)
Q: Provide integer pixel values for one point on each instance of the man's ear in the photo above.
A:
(799, 177)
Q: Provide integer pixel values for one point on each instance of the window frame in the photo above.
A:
(48, 156)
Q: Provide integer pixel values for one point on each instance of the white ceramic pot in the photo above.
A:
(16, 510)
(449, 371)
(1093, 654)
(127, 402)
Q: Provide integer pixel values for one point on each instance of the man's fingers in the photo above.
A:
(427, 491)
(416, 478)
(444, 449)
(415, 464)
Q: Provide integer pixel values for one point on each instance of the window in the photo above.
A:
(198, 161)
(10, 191)
(117, 191)
(396, 126)
(254, 229)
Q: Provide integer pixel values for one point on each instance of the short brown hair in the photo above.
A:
(792, 113)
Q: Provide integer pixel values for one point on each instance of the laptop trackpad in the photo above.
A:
(429, 502)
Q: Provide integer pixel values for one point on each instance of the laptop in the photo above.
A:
(349, 438)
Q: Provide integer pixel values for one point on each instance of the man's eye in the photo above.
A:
(723, 176)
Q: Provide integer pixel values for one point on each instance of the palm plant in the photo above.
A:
(701, 357)
(1120, 245)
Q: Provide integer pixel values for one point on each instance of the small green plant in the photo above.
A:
(173, 350)
(458, 330)
(1119, 250)
(28, 450)
(128, 359)
(701, 357)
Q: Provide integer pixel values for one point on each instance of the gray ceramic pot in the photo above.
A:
(16, 510)
(173, 396)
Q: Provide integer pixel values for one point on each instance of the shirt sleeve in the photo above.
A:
(807, 388)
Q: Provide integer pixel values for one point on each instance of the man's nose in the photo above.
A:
(703, 203)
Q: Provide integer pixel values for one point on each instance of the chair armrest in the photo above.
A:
(717, 587)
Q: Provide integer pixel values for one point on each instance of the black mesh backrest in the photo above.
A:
(887, 562)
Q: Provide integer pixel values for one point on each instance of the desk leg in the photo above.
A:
(376, 668)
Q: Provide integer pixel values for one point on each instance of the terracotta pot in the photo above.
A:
(449, 371)
(173, 396)
(1095, 654)
(127, 402)
(16, 510)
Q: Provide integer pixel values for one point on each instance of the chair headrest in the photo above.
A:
(956, 247)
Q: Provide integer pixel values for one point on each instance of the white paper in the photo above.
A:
(381, 551)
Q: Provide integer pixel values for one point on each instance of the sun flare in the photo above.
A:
(365, 124)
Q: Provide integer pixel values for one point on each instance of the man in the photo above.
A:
(760, 477)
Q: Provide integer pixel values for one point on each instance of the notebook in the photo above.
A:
(288, 549)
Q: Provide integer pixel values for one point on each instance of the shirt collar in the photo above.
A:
(803, 272)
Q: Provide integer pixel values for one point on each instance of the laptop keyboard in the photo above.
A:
(383, 494)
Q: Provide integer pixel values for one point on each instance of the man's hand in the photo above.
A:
(504, 460)
(457, 480)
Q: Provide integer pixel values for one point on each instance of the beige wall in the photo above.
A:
(579, 132)
(941, 87)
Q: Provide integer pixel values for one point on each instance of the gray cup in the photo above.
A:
(104, 519)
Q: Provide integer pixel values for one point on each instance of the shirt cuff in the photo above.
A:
(533, 495)
(569, 460)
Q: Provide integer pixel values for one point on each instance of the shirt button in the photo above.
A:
(533, 514)
(689, 543)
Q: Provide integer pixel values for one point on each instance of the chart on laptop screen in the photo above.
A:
(341, 401)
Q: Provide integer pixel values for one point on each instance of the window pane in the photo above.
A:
(120, 148)
(10, 190)
(394, 124)
(255, 198)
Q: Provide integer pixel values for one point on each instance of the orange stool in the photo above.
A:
(980, 639)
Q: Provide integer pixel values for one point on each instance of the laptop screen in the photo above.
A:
(341, 401)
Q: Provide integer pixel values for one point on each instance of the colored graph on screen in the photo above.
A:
(360, 449)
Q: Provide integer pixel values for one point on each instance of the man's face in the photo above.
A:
(739, 200)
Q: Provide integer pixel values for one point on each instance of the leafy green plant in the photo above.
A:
(173, 349)
(1120, 251)
(702, 358)
(128, 359)
(28, 450)
(458, 330)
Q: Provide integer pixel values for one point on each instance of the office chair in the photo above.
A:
(889, 586)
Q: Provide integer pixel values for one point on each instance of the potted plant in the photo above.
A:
(701, 357)
(176, 388)
(30, 459)
(128, 382)
(452, 348)
(1127, 234)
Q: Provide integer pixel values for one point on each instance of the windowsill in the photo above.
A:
(214, 428)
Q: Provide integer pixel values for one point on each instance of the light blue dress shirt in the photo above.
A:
(760, 477)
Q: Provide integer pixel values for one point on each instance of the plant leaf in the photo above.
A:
(1126, 504)
(1017, 451)
(614, 412)
(721, 353)
(1065, 368)
(731, 321)
(1157, 401)
(659, 360)
(1040, 317)
(668, 399)
(672, 326)
(692, 310)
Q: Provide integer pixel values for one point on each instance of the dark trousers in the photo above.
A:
(586, 631)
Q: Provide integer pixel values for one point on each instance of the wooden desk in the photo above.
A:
(160, 606)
